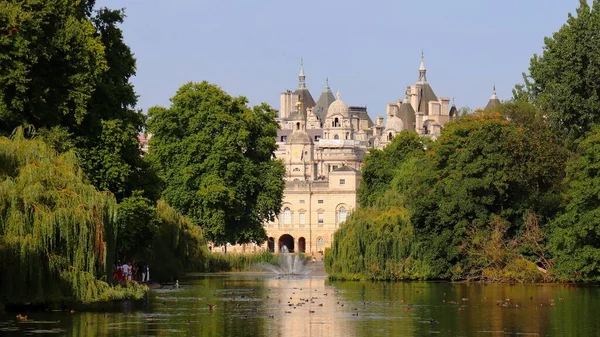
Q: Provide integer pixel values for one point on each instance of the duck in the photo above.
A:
(21, 317)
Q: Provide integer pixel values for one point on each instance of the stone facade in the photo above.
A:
(323, 146)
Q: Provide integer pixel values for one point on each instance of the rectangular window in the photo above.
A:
(320, 218)
(320, 201)
(301, 201)
(317, 137)
(342, 181)
(301, 218)
(283, 139)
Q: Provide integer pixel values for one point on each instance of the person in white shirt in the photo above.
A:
(125, 269)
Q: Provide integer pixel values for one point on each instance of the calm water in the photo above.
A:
(266, 305)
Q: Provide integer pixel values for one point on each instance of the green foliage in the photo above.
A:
(137, 226)
(380, 166)
(238, 262)
(482, 167)
(564, 80)
(215, 156)
(376, 244)
(434, 211)
(106, 139)
(66, 73)
(179, 246)
(56, 232)
(575, 237)
(50, 63)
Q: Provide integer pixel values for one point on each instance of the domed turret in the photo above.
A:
(299, 137)
(338, 107)
(394, 123)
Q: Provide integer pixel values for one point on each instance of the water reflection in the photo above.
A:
(273, 305)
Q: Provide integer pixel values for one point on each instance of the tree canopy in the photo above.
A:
(563, 81)
(65, 70)
(216, 158)
(575, 238)
(479, 181)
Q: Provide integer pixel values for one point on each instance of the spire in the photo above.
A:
(422, 69)
(494, 96)
(301, 76)
(339, 95)
(327, 88)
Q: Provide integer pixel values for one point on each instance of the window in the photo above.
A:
(301, 218)
(320, 242)
(298, 126)
(336, 137)
(342, 215)
(301, 201)
(317, 138)
(320, 218)
(320, 201)
(390, 136)
(336, 123)
(296, 170)
(287, 216)
(283, 138)
(342, 181)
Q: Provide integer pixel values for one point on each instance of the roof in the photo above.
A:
(453, 111)
(305, 98)
(299, 137)
(394, 123)
(296, 116)
(407, 114)
(345, 168)
(427, 95)
(493, 102)
(323, 103)
(338, 107)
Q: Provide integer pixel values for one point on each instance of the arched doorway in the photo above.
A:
(271, 245)
(288, 241)
(302, 245)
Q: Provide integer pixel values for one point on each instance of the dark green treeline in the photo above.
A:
(509, 195)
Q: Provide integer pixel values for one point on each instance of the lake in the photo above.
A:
(258, 304)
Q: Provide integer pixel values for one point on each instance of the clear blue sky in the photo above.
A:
(370, 50)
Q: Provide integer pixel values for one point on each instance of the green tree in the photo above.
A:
(137, 226)
(215, 156)
(51, 61)
(564, 80)
(57, 232)
(575, 236)
(480, 168)
(106, 141)
(380, 166)
(67, 73)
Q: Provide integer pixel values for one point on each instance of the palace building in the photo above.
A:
(323, 145)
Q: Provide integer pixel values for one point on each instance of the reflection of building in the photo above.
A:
(314, 310)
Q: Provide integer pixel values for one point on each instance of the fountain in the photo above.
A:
(287, 264)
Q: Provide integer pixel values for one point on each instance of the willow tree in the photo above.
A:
(56, 231)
